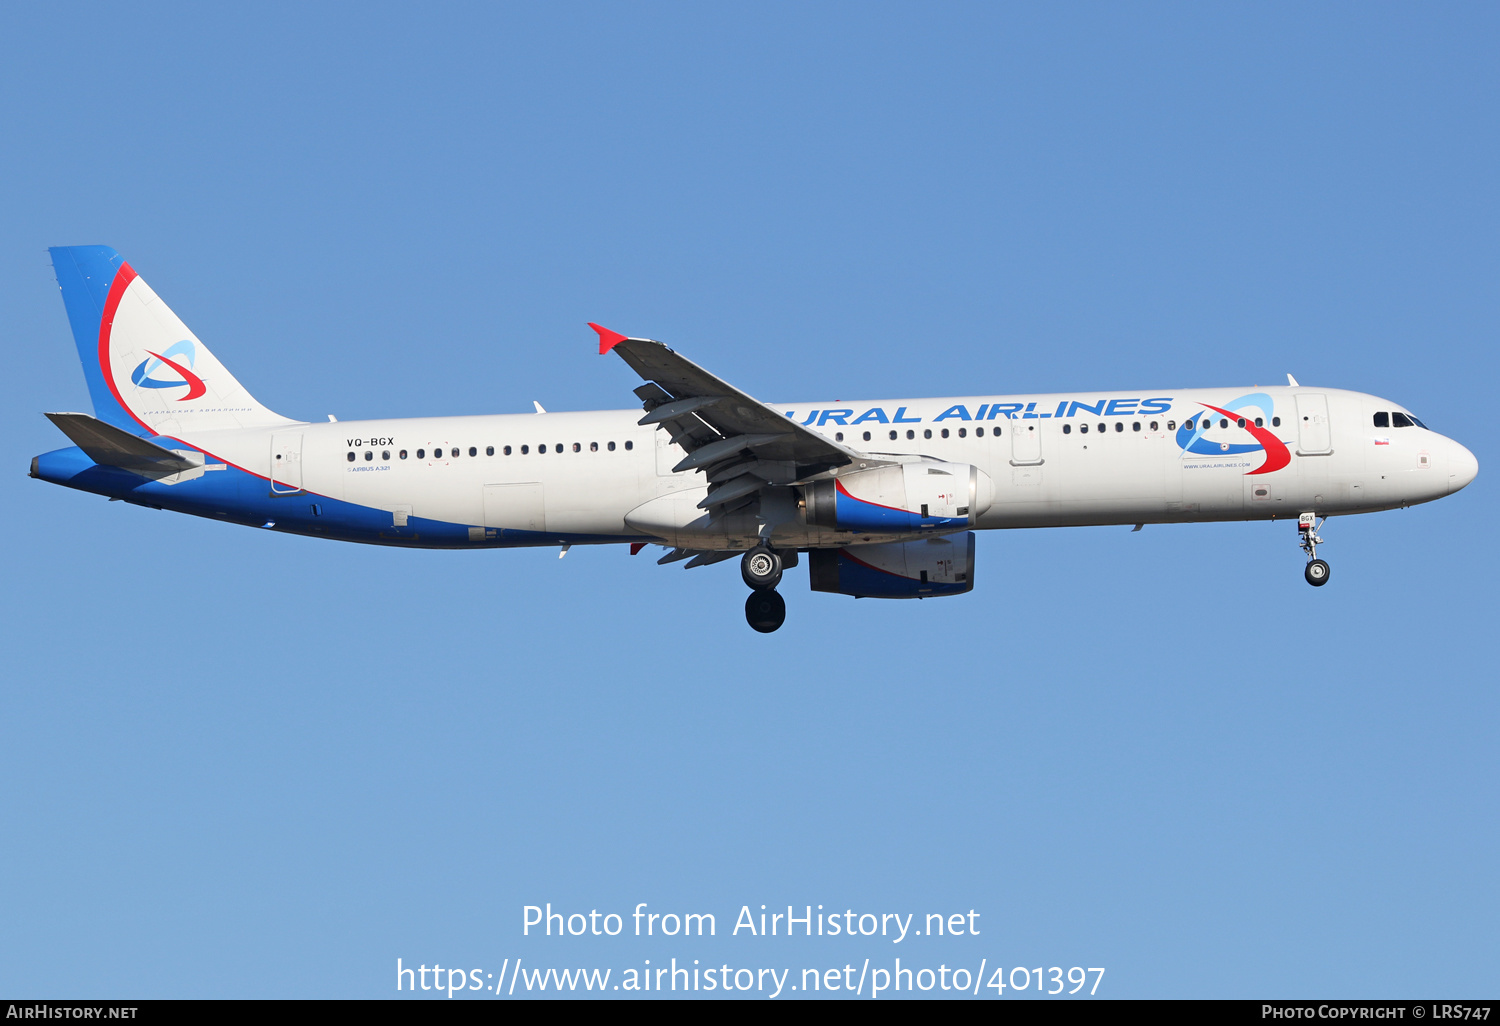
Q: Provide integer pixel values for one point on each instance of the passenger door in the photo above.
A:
(1313, 435)
(286, 464)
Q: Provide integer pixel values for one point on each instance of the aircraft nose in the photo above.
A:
(1462, 468)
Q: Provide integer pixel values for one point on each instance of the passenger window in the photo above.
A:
(1260, 422)
(1188, 425)
(506, 450)
(979, 432)
(421, 454)
(489, 450)
(867, 436)
(525, 450)
(1223, 422)
(1171, 425)
(351, 457)
(1135, 425)
(893, 436)
(945, 433)
(1067, 429)
(593, 447)
(927, 433)
(1399, 419)
(1103, 428)
(403, 454)
(629, 445)
(1119, 426)
(1083, 429)
(611, 446)
(385, 456)
(838, 436)
(473, 450)
(369, 455)
(1240, 422)
(577, 447)
(910, 434)
(995, 432)
(1276, 422)
(1383, 419)
(963, 432)
(1153, 425)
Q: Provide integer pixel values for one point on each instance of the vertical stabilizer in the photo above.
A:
(146, 371)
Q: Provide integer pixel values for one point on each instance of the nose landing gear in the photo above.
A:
(1307, 532)
(765, 610)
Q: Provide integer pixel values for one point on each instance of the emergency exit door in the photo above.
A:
(1025, 443)
(668, 453)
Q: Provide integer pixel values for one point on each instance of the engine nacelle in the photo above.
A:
(924, 568)
(919, 496)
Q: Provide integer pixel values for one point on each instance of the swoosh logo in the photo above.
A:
(141, 376)
(1277, 454)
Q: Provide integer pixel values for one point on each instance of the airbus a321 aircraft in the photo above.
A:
(882, 496)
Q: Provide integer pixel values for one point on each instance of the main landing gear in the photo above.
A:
(765, 610)
(1307, 531)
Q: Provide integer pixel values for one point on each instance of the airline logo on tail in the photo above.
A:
(1192, 439)
(141, 377)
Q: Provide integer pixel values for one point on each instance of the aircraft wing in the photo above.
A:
(742, 445)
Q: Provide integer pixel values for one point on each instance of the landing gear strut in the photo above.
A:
(1307, 531)
(765, 610)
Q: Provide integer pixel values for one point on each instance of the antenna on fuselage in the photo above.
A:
(1292, 381)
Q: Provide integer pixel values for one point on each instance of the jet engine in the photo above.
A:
(919, 496)
(924, 568)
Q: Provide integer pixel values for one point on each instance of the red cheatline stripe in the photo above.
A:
(123, 277)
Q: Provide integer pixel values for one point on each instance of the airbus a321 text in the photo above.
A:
(882, 497)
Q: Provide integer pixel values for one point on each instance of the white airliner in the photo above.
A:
(883, 496)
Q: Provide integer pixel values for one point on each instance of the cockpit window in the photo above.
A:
(1382, 419)
(1419, 424)
(1399, 419)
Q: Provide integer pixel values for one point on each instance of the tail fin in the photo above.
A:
(145, 369)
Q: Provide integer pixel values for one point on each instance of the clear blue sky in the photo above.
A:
(239, 764)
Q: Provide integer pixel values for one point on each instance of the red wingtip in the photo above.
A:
(607, 339)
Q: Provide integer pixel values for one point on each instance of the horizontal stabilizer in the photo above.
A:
(109, 446)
